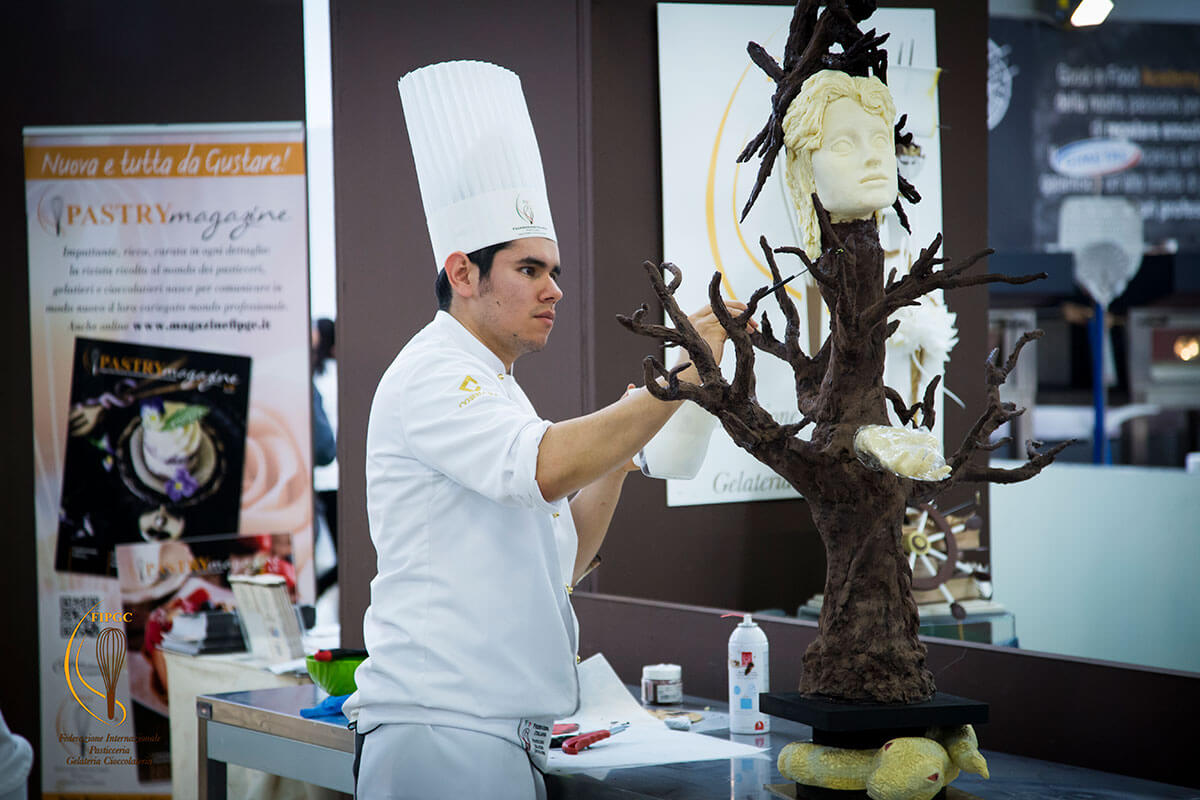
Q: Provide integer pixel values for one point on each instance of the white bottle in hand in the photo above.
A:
(678, 449)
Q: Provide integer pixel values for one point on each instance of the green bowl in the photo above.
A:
(335, 677)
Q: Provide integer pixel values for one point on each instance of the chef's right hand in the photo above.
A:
(712, 331)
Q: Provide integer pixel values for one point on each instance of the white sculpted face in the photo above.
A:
(855, 167)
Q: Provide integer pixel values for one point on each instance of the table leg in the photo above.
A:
(212, 774)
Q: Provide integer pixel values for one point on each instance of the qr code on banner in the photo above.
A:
(72, 608)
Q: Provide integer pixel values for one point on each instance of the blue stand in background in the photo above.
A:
(1101, 453)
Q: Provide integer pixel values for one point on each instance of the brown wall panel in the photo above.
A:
(385, 261)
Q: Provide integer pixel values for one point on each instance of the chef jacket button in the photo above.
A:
(577, 659)
(569, 589)
(556, 515)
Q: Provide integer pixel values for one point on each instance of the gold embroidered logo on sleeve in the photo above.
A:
(474, 391)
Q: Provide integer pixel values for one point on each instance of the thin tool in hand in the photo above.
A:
(784, 281)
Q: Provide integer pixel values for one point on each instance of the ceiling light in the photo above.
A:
(1091, 12)
(1187, 348)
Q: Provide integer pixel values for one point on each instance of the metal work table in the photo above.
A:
(262, 729)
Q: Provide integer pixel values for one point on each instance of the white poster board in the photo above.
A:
(713, 101)
(170, 345)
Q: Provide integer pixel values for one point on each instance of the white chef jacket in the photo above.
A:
(470, 624)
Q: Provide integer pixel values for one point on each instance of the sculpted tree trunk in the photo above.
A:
(868, 648)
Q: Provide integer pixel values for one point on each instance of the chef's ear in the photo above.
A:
(461, 273)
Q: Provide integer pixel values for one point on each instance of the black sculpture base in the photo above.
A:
(862, 726)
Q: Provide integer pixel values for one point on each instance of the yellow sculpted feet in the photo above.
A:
(963, 747)
(828, 767)
(908, 768)
(911, 768)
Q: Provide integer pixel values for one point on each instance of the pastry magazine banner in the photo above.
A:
(169, 328)
(711, 106)
(154, 449)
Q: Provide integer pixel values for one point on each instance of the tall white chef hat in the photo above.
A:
(477, 158)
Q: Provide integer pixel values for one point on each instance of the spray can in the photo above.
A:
(748, 676)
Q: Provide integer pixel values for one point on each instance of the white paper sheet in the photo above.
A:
(604, 699)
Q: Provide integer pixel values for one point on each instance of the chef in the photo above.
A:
(483, 515)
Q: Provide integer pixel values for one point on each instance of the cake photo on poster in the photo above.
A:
(155, 447)
(176, 597)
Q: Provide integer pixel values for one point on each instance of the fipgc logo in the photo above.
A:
(524, 209)
(110, 658)
(51, 208)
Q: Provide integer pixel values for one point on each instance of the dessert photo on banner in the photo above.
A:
(176, 597)
(154, 449)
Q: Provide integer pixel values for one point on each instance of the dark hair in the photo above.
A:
(324, 349)
(481, 258)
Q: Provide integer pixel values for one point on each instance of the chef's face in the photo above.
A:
(517, 298)
(855, 167)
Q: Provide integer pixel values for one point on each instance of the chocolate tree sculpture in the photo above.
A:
(867, 649)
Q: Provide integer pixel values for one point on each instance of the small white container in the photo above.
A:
(749, 675)
(662, 684)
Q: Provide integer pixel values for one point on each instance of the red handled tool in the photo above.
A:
(583, 741)
(338, 652)
(560, 733)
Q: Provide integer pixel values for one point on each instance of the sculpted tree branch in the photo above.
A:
(922, 280)
(808, 371)
(925, 407)
(978, 438)
(682, 334)
(733, 402)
